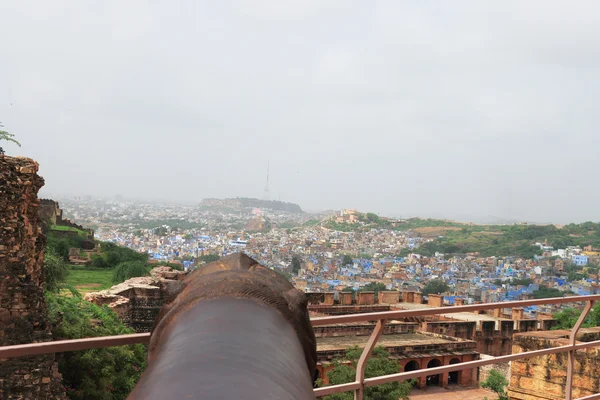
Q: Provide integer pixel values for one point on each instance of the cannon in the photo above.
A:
(232, 329)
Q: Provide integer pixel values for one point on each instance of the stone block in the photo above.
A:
(389, 297)
(329, 298)
(366, 298)
(346, 298)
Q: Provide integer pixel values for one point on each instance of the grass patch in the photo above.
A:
(86, 279)
(68, 229)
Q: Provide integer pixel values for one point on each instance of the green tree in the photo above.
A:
(496, 382)
(55, 271)
(566, 318)
(209, 258)
(546, 293)
(296, 264)
(372, 217)
(160, 231)
(373, 287)
(435, 286)
(9, 137)
(378, 364)
(521, 281)
(96, 374)
(98, 261)
(60, 247)
(347, 260)
(404, 253)
(129, 269)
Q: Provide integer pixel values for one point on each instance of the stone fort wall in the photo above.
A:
(22, 303)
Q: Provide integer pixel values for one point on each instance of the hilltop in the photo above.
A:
(241, 203)
(453, 237)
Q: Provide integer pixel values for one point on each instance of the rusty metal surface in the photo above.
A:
(227, 348)
(241, 277)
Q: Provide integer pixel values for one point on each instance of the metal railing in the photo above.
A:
(361, 382)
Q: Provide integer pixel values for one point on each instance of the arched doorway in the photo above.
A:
(413, 366)
(434, 380)
(454, 377)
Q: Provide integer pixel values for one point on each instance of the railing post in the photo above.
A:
(572, 340)
(364, 357)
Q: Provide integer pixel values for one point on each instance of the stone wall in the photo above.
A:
(366, 298)
(545, 377)
(363, 329)
(484, 372)
(459, 329)
(51, 214)
(137, 301)
(389, 297)
(354, 309)
(22, 303)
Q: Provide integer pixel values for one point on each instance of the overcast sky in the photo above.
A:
(434, 108)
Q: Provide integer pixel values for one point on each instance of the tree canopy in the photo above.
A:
(55, 271)
(378, 364)
(546, 293)
(347, 260)
(129, 269)
(112, 255)
(372, 217)
(568, 317)
(435, 286)
(8, 137)
(296, 264)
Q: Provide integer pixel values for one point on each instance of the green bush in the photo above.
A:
(112, 255)
(96, 374)
(55, 271)
(129, 269)
(379, 364)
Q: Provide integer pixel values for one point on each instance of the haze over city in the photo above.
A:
(456, 109)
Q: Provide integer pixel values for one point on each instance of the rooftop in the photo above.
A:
(401, 339)
(463, 316)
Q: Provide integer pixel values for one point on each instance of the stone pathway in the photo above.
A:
(457, 393)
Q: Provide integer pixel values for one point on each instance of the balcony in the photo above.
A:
(380, 318)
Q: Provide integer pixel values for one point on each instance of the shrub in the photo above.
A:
(55, 271)
(129, 269)
(96, 374)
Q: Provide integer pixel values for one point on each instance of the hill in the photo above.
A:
(518, 240)
(240, 203)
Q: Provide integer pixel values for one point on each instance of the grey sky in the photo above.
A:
(457, 108)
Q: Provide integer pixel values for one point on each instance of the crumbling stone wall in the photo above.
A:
(137, 301)
(22, 303)
(51, 214)
(545, 377)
